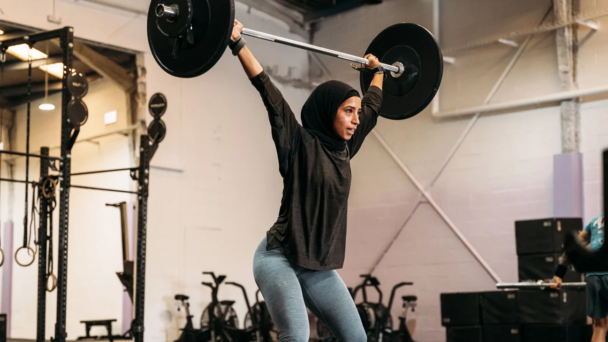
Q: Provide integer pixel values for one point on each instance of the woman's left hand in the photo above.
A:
(373, 61)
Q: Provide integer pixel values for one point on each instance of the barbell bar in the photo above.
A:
(395, 69)
(539, 285)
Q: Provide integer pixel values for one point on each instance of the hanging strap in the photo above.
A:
(27, 148)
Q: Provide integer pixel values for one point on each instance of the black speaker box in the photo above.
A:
(556, 333)
(534, 267)
(460, 309)
(545, 235)
(464, 334)
(552, 307)
(500, 307)
(502, 333)
(3, 323)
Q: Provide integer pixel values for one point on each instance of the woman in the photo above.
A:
(294, 265)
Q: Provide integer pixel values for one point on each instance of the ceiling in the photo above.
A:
(309, 9)
(14, 72)
(316, 9)
(135, 5)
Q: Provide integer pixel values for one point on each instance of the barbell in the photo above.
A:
(188, 37)
(538, 285)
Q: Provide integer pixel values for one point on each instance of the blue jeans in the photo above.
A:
(289, 289)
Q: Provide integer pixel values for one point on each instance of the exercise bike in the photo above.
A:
(259, 318)
(219, 322)
(376, 318)
(403, 333)
(189, 334)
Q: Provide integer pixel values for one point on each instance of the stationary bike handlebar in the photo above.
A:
(213, 292)
(368, 281)
(217, 280)
(253, 318)
(390, 303)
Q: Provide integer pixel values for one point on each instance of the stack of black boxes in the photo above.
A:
(524, 315)
(539, 246)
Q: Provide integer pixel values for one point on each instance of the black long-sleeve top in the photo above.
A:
(311, 226)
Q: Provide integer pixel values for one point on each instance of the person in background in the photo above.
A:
(597, 282)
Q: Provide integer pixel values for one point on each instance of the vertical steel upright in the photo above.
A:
(605, 180)
(66, 41)
(142, 214)
(42, 248)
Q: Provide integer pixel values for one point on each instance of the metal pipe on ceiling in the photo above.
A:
(534, 101)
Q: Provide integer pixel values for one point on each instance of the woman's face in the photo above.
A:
(347, 118)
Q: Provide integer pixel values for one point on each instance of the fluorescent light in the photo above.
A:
(110, 117)
(1, 32)
(24, 53)
(53, 69)
(47, 106)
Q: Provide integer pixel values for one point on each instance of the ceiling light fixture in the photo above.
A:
(24, 53)
(55, 69)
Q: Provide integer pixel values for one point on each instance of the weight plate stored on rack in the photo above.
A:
(157, 105)
(157, 131)
(78, 85)
(414, 47)
(78, 113)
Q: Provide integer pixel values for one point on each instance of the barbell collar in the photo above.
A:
(170, 13)
(314, 48)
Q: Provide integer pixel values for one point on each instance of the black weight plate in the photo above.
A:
(78, 113)
(157, 131)
(399, 86)
(416, 48)
(212, 22)
(157, 105)
(177, 27)
(78, 85)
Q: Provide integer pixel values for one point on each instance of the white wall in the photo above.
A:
(215, 187)
(502, 172)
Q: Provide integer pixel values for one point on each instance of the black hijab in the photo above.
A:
(319, 112)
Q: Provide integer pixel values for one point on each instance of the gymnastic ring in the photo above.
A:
(54, 286)
(2, 254)
(52, 187)
(30, 249)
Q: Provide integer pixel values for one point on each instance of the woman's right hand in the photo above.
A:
(236, 31)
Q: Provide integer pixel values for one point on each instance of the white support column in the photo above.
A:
(567, 166)
(563, 11)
